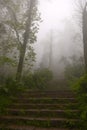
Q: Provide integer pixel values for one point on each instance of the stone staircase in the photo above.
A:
(41, 110)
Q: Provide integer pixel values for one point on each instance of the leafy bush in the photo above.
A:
(11, 86)
(81, 85)
(74, 70)
(38, 79)
(28, 81)
(77, 80)
(7, 89)
(81, 88)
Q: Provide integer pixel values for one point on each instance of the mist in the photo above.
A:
(43, 64)
(59, 36)
(59, 28)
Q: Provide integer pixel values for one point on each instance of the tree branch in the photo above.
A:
(13, 16)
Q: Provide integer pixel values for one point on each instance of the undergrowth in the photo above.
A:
(80, 87)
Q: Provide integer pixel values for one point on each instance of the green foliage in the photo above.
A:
(38, 79)
(81, 85)
(13, 26)
(5, 93)
(7, 89)
(74, 70)
(81, 88)
(4, 101)
(11, 87)
(5, 59)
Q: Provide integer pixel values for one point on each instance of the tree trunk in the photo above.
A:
(85, 35)
(51, 51)
(26, 37)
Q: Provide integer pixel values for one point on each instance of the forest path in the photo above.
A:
(42, 110)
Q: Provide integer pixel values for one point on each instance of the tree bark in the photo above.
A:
(85, 35)
(26, 37)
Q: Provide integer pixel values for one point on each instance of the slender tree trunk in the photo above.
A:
(50, 51)
(26, 37)
(20, 64)
(85, 35)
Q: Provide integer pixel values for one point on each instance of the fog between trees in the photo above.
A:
(63, 33)
(56, 33)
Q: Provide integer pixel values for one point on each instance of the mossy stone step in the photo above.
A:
(46, 106)
(43, 113)
(44, 100)
(48, 94)
(42, 109)
(23, 127)
(45, 95)
(44, 122)
(48, 91)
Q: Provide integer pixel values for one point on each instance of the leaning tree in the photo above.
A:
(22, 20)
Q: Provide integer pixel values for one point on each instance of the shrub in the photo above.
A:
(81, 88)
(38, 79)
(74, 70)
(28, 81)
(11, 86)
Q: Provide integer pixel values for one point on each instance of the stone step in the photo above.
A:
(41, 109)
(44, 100)
(46, 122)
(46, 106)
(15, 127)
(23, 127)
(43, 113)
(48, 94)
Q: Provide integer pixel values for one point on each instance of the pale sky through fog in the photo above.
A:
(54, 11)
(57, 15)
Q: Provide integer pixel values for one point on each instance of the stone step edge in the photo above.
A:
(41, 119)
(43, 98)
(41, 104)
(17, 127)
(42, 110)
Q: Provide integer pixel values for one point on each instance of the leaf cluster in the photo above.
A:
(81, 88)
(38, 79)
